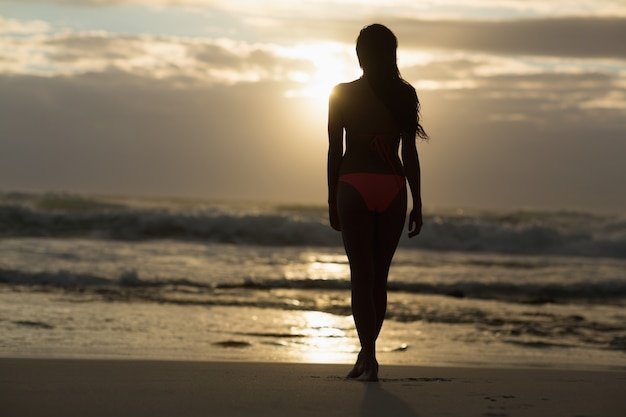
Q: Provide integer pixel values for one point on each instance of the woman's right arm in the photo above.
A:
(335, 154)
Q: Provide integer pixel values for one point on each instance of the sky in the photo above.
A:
(524, 100)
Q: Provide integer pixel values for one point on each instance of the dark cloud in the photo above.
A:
(215, 55)
(591, 97)
(582, 37)
(443, 70)
(264, 60)
(77, 46)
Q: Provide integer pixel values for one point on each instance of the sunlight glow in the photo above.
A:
(334, 63)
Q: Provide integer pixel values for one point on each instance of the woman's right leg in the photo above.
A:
(388, 229)
(357, 229)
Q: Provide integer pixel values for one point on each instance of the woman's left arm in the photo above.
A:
(411, 163)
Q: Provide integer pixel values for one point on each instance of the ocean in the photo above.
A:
(162, 278)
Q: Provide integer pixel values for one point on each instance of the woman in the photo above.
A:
(367, 185)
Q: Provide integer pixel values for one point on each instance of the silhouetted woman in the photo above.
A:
(367, 193)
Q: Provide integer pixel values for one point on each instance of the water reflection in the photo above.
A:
(326, 338)
(318, 267)
(322, 270)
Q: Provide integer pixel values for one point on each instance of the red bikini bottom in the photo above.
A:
(377, 190)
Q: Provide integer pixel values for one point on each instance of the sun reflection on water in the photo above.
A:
(323, 270)
(318, 268)
(326, 338)
(319, 337)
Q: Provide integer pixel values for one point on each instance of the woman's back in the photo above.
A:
(372, 135)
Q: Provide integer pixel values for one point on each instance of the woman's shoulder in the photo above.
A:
(347, 86)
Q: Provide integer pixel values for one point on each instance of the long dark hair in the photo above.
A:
(376, 49)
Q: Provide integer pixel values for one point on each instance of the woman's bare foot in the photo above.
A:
(370, 371)
(365, 369)
(358, 367)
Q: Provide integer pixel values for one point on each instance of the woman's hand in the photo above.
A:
(415, 222)
(333, 216)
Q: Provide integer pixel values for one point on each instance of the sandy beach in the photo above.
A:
(55, 387)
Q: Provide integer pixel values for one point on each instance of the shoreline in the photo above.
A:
(347, 364)
(105, 387)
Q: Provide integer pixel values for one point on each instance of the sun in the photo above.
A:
(332, 64)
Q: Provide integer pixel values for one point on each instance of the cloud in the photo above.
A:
(559, 37)
(196, 60)
(521, 91)
(72, 47)
(19, 27)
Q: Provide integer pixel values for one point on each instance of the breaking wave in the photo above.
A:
(130, 284)
(519, 232)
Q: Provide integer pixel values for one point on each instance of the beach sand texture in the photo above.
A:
(45, 387)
